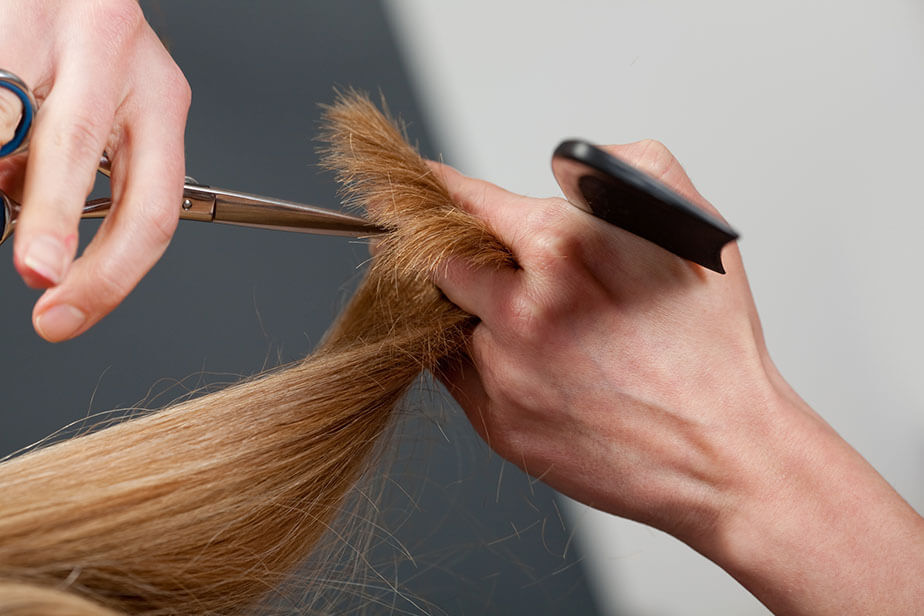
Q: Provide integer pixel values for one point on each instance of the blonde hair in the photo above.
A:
(208, 505)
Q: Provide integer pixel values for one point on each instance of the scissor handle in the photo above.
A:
(20, 140)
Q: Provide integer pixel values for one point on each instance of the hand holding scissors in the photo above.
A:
(199, 202)
(105, 83)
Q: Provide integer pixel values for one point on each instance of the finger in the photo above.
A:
(478, 290)
(69, 137)
(656, 160)
(148, 170)
(462, 380)
(374, 246)
(10, 114)
(503, 211)
(530, 227)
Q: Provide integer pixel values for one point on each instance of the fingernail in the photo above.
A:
(48, 257)
(59, 322)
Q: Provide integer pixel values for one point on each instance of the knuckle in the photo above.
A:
(176, 85)
(83, 138)
(161, 225)
(558, 249)
(554, 244)
(530, 320)
(118, 20)
(656, 159)
(547, 214)
(172, 96)
(522, 315)
(655, 147)
(110, 285)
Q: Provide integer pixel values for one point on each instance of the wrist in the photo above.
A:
(812, 528)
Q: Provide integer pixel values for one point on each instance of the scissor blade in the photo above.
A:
(211, 204)
(238, 208)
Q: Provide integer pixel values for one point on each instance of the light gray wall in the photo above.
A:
(801, 121)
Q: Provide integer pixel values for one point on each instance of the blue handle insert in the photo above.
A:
(25, 123)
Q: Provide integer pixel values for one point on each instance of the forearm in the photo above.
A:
(818, 531)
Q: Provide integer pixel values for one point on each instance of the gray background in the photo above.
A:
(226, 302)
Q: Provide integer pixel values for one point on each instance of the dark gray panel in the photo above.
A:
(482, 537)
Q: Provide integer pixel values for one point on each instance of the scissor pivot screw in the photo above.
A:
(187, 204)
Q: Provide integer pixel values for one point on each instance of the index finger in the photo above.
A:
(147, 185)
(69, 136)
(502, 210)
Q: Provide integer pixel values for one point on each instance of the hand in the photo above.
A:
(104, 83)
(640, 384)
(605, 365)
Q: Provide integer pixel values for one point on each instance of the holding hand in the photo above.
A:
(640, 384)
(105, 83)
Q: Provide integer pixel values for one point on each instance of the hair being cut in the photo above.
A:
(206, 506)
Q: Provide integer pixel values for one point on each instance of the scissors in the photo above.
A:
(590, 178)
(200, 202)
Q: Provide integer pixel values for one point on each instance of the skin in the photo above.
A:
(104, 83)
(640, 384)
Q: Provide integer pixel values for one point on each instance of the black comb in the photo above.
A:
(624, 196)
